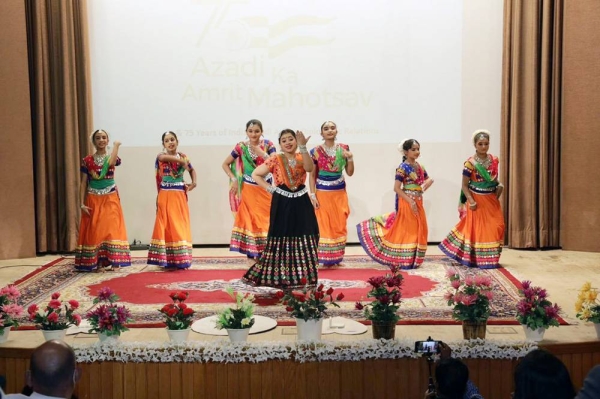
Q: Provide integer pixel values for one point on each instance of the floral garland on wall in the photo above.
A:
(256, 352)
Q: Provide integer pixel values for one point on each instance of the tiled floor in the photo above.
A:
(561, 272)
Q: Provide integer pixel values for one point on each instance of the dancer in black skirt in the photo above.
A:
(292, 243)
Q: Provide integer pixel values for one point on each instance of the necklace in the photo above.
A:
(330, 151)
(292, 162)
(485, 162)
(253, 155)
(99, 158)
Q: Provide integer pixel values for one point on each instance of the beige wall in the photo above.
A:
(580, 152)
(17, 228)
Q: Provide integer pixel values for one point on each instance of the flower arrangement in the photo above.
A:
(309, 303)
(471, 297)
(108, 318)
(237, 317)
(178, 316)
(9, 310)
(52, 318)
(387, 297)
(587, 306)
(534, 310)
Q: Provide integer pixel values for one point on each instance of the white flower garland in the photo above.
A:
(256, 352)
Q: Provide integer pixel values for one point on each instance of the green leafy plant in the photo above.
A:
(241, 315)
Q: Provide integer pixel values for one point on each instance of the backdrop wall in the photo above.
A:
(373, 131)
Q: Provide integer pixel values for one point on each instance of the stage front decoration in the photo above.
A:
(257, 352)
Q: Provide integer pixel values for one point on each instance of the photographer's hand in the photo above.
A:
(445, 351)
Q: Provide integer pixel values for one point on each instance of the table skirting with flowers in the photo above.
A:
(256, 352)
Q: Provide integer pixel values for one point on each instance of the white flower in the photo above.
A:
(246, 321)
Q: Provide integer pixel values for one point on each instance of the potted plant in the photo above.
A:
(108, 319)
(9, 310)
(382, 311)
(309, 306)
(471, 300)
(51, 320)
(535, 312)
(178, 316)
(587, 306)
(239, 319)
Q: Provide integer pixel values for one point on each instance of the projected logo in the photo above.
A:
(259, 32)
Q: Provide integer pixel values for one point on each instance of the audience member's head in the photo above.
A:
(52, 370)
(541, 375)
(591, 385)
(451, 376)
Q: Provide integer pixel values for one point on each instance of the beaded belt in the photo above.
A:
(102, 191)
(413, 194)
(248, 178)
(335, 182)
(289, 194)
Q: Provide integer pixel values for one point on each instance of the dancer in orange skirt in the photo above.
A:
(399, 239)
(102, 238)
(290, 254)
(171, 244)
(476, 241)
(328, 194)
(250, 203)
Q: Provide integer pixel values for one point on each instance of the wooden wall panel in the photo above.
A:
(403, 378)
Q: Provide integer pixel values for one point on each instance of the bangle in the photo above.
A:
(83, 206)
(349, 159)
(312, 195)
(302, 147)
(232, 178)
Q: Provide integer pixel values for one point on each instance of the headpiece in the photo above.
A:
(479, 132)
(401, 145)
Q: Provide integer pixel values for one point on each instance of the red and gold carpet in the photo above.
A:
(144, 288)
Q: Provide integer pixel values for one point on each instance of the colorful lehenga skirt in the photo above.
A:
(476, 241)
(292, 244)
(171, 244)
(332, 217)
(397, 242)
(102, 234)
(249, 234)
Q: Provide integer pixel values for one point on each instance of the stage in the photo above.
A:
(561, 272)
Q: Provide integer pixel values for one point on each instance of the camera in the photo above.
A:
(430, 346)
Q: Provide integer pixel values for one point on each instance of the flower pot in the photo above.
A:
(597, 327)
(534, 335)
(473, 329)
(178, 335)
(238, 334)
(58, 335)
(108, 338)
(309, 330)
(4, 334)
(383, 329)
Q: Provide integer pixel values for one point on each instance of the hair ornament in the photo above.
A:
(480, 132)
(401, 146)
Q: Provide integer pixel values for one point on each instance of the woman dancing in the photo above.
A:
(102, 238)
(250, 203)
(399, 239)
(328, 194)
(291, 250)
(476, 241)
(171, 244)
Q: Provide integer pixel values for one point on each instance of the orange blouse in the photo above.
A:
(284, 173)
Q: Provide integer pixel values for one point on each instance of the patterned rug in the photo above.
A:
(144, 288)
